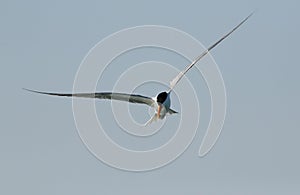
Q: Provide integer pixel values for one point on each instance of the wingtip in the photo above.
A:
(26, 89)
(251, 14)
(30, 90)
(34, 91)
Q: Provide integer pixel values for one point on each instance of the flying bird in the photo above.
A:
(162, 102)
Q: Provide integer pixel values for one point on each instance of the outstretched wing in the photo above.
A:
(180, 75)
(133, 98)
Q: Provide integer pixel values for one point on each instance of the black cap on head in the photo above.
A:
(161, 98)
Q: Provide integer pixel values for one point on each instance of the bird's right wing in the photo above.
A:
(133, 98)
(181, 74)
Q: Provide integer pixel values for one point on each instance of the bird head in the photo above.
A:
(161, 97)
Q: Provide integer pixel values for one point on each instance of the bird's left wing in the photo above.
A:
(180, 75)
(133, 98)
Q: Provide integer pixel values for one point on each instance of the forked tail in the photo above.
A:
(153, 119)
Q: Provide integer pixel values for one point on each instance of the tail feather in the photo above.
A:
(153, 119)
(170, 111)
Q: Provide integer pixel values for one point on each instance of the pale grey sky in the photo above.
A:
(43, 43)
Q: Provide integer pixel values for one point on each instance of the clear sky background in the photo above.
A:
(42, 44)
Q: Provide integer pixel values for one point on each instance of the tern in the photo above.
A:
(162, 102)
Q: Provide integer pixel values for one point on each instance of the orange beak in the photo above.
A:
(158, 111)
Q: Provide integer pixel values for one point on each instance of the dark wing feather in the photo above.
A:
(133, 98)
